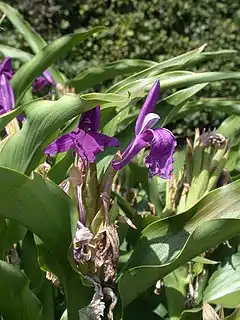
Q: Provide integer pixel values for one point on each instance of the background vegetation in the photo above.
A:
(171, 268)
(153, 30)
(139, 29)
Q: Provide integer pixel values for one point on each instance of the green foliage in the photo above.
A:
(136, 29)
(17, 301)
(181, 249)
(169, 243)
(44, 209)
(220, 290)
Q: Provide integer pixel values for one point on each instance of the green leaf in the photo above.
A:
(224, 285)
(46, 200)
(59, 170)
(158, 68)
(214, 104)
(11, 232)
(203, 260)
(113, 125)
(234, 316)
(230, 129)
(23, 78)
(170, 106)
(29, 262)
(15, 233)
(207, 56)
(98, 75)
(7, 117)
(176, 79)
(151, 186)
(123, 204)
(169, 243)
(45, 209)
(42, 287)
(15, 53)
(3, 234)
(24, 150)
(16, 300)
(192, 314)
(175, 289)
(64, 315)
(35, 41)
(173, 80)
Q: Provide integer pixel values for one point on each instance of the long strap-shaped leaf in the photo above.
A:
(35, 41)
(44, 208)
(169, 243)
(15, 53)
(181, 62)
(100, 74)
(23, 78)
(176, 79)
(158, 68)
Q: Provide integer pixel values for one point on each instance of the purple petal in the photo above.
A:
(6, 68)
(49, 77)
(43, 81)
(160, 159)
(149, 121)
(39, 84)
(148, 105)
(89, 144)
(62, 144)
(20, 118)
(87, 147)
(6, 95)
(137, 144)
(104, 140)
(90, 120)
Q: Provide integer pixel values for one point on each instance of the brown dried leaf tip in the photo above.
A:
(100, 249)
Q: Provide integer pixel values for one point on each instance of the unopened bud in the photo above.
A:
(60, 87)
(44, 168)
(107, 180)
(64, 89)
(54, 279)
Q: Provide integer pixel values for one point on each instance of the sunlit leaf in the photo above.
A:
(222, 291)
(15, 53)
(35, 41)
(45, 209)
(169, 243)
(99, 74)
(23, 78)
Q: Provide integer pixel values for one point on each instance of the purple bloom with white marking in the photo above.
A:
(161, 141)
(6, 91)
(43, 81)
(86, 140)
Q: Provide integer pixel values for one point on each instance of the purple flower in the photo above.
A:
(86, 139)
(6, 91)
(161, 141)
(6, 68)
(43, 81)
